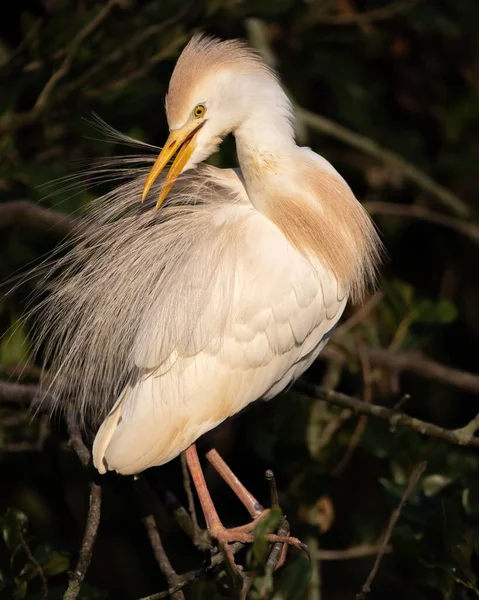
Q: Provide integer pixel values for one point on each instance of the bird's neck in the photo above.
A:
(308, 201)
(266, 150)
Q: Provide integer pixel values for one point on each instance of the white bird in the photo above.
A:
(164, 324)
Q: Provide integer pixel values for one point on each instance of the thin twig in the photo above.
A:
(139, 72)
(463, 436)
(86, 550)
(273, 490)
(34, 29)
(19, 393)
(76, 438)
(363, 419)
(147, 500)
(415, 476)
(351, 553)
(71, 53)
(192, 576)
(277, 555)
(16, 120)
(363, 18)
(421, 213)
(37, 565)
(368, 146)
(363, 143)
(126, 50)
(411, 362)
(29, 214)
(94, 511)
(359, 315)
(401, 402)
(161, 556)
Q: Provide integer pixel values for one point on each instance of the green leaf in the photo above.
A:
(446, 311)
(13, 525)
(461, 553)
(294, 580)
(20, 589)
(435, 483)
(267, 525)
(3, 581)
(58, 563)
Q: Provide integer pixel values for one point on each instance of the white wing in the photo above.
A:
(277, 319)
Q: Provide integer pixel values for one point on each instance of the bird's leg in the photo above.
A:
(244, 533)
(213, 522)
(245, 496)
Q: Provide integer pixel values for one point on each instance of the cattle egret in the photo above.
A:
(163, 324)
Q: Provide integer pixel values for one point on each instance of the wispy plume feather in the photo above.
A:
(132, 285)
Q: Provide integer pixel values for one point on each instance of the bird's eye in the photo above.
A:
(199, 111)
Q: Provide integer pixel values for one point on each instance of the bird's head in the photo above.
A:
(215, 88)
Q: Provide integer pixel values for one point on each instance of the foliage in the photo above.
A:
(29, 560)
(405, 75)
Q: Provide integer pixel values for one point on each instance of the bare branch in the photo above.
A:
(126, 50)
(351, 553)
(141, 71)
(76, 438)
(192, 576)
(29, 214)
(37, 565)
(89, 537)
(407, 362)
(415, 476)
(393, 160)
(363, 143)
(461, 437)
(94, 511)
(359, 315)
(413, 362)
(414, 211)
(362, 18)
(71, 53)
(363, 419)
(146, 499)
(19, 393)
(161, 556)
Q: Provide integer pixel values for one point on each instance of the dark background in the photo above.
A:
(403, 75)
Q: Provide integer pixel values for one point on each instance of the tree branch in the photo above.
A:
(126, 50)
(351, 553)
(37, 565)
(29, 214)
(328, 127)
(146, 500)
(366, 17)
(415, 476)
(412, 362)
(19, 393)
(414, 211)
(89, 537)
(94, 512)
(192, 576)
(71, 53)
(393, 160)
(76, 438)
(461, 437)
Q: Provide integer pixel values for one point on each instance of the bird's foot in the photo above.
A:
(245, 534)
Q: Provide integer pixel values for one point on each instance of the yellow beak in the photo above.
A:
(182, 140)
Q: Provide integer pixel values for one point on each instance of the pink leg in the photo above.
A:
(252, 505)
(244, 533)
